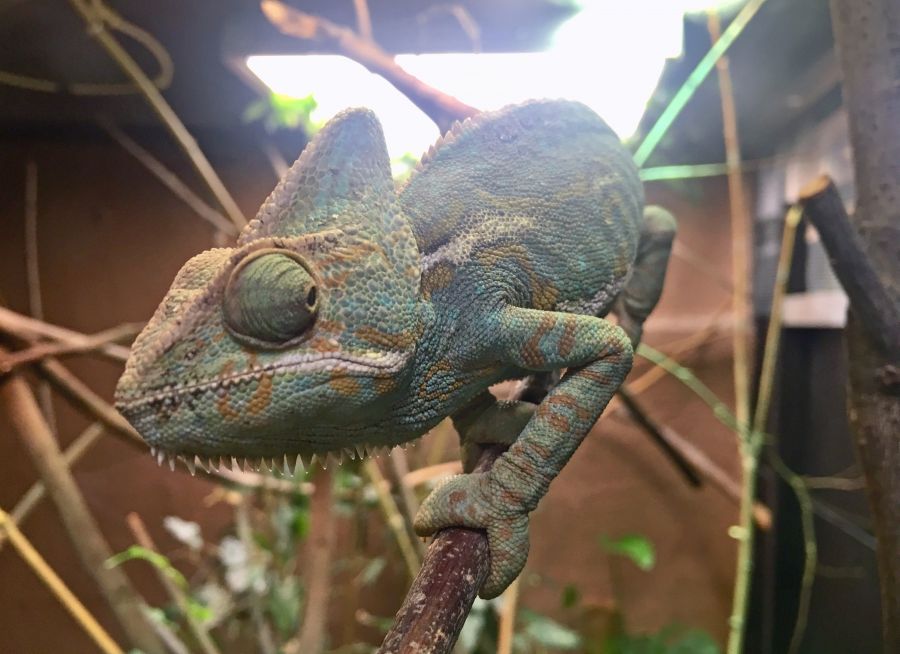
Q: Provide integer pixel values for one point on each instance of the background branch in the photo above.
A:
(442, 108)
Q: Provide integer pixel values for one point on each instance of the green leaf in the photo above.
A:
(550, 633)
(156, 559)
(635, 547)
(570, 596)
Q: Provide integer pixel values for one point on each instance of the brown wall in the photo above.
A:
(112, 238)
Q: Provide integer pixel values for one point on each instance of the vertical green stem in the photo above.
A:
(750, 445)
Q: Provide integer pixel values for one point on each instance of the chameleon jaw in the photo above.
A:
(289, 465)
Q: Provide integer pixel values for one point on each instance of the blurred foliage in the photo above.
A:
(277, 111)
(637, 549)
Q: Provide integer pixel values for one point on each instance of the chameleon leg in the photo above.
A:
(645, 283)
(501, 499)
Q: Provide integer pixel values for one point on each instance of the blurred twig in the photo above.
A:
(393, 516)
(95, 15)
(89, 543)
(169, 179)
(443, 109)
(27, 328)
(57, 586)
(311, 638)
(91, 343)
(37, 492)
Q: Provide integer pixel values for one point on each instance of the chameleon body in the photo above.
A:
(351, 316)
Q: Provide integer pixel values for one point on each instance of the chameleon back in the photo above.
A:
(541, 195)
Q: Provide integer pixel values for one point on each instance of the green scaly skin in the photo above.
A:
(350, 316)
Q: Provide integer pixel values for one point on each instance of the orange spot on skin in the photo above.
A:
(262, 396)
(346, 386)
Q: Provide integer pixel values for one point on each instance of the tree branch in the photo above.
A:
(83, 530)
(438, 602)
(443, 109)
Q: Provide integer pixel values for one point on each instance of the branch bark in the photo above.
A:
(866, 37)
(442, 108)
(441, 596)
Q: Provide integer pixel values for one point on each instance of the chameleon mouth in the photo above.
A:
(288, 465)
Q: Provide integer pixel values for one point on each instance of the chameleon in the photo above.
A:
(353, 315)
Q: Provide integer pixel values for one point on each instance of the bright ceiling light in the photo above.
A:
(609, 55)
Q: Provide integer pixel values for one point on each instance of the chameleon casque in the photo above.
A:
(351, 316)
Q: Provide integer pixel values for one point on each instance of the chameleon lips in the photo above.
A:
(367, 363)
(222, 417)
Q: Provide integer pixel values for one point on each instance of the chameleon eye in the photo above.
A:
(271, 298)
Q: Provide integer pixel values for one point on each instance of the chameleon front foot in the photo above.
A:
(465, 501)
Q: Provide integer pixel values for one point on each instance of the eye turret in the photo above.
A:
(271, 298)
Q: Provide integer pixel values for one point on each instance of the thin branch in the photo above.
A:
(33, 275)
(89, 543)
(245, 534)
(398, 469)
(57, 586)
(169, 179)
(392, 516)
(363, 19)
(694, 80)
(318, 578)
(27, 329)
(44, 349)
(96, 22)
(879, 314)
(38, 491)
(143, 538)
(443, 109)
(507, 627)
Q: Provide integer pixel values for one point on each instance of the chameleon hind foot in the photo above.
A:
(466, 501)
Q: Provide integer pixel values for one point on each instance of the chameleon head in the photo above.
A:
(290, 342)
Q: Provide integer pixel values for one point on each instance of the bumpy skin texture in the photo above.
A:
(350, 316)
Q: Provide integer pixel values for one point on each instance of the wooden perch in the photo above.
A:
(442, 108)
(438, 602)
(45, 349)
(878, 313)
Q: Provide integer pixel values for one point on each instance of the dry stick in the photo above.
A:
(42, 350)
(393, 516)
(398, 468)
(740, 227)
(363, 19)
(27, 328)
(443, 109)
(57, 586)
(879, 314)
(169, 179)
(436, 605)
(873, 333)
(311, 638)
(143, 538)
(740, 278)
(507, 623)
(760, 418)
(153, 96)
(37, 492)
(89, 543)
(33, 274)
